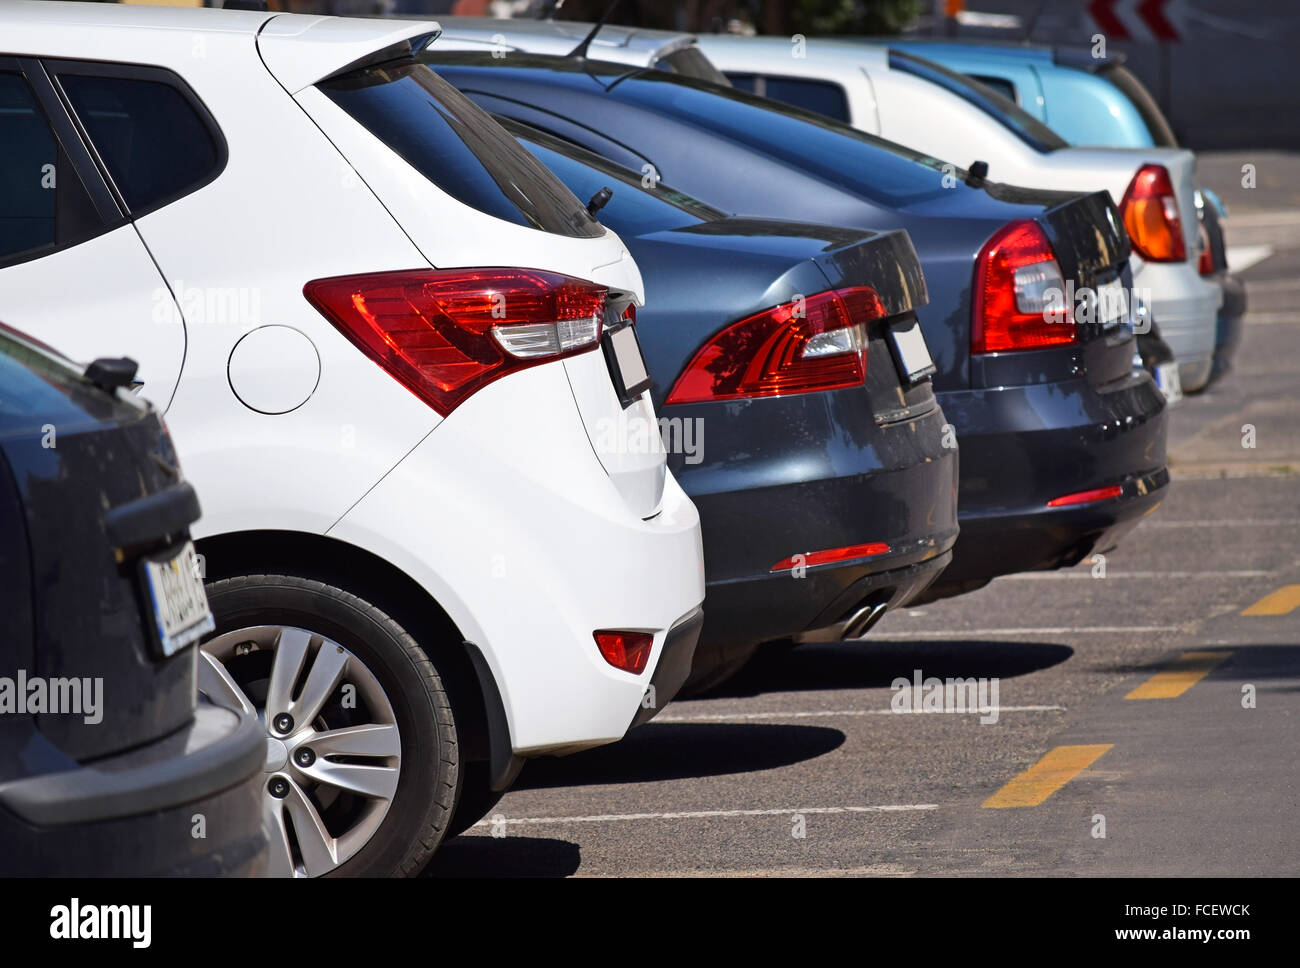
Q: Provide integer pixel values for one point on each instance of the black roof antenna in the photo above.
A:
(580, 52)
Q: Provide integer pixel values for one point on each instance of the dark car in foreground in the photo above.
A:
(108, 765)
(807, 435)
(1062, 442)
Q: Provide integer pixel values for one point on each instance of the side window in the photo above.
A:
(819, 97)
(28, 176)
(42, 202)
(999, 84)
(150, 136)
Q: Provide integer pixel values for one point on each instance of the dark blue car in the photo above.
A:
(1062, 442)
(808, 438)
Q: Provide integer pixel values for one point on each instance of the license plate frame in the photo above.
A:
(910, 351)
(177, 601)
(627, 366)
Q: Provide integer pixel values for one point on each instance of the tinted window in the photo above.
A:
(1022, 124)
(691, 62)
(819, 97)
(35, 388)
(632, 210)
(999, 84)
(152, 140)
(458, 147)
(27, 171)
(879, 170)
(1162, 135)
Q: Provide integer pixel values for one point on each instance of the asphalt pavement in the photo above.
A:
(1148, 706)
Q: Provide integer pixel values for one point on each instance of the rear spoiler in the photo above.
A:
(1081, 59)
(301, 51)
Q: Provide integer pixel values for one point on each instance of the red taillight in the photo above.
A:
(1151, 217)
(798, 347)
(629, 651)
(832, 554)
(446, 333)
(1205, 265)
(1086, 497)
(1019, 297)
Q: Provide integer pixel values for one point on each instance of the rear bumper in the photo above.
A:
(798, 475)
(1227, 332)
(1186, 307)
(674, 667)
(138, 813)
(1042, 538)
(1024, 446)
(506, 517)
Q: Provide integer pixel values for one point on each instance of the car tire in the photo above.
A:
(376, 814)
(476, 799)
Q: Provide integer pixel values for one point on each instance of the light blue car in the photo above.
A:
(1093, 102)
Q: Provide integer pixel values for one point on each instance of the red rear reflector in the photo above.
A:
(1086, 497)
(832, 554)
(1019, 297)
(791, 348)
(446, 333)
(1151, 217)
(629, 651)
(1205, 265)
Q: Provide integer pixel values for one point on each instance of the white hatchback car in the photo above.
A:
(945, 115)
(397, 357)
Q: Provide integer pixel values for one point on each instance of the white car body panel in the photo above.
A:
(633, 46)
(927, 118)
(362, 459)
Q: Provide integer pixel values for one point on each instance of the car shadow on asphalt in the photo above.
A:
(513, 856)
(676, 751)
(873, 663)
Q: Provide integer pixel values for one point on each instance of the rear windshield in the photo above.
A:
(820, 97)
(691, 62)
(458, 147)
(36, 388)
(632, 210)
(880, 170)
(1162, 135)
(1012, 117)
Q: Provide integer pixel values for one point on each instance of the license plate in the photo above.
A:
(626, 364)
(1112, 304)
(910, 352)
(179, 603)
(1169, 382)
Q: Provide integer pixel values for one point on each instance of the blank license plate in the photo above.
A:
(626, 364)
(910, 351)
(180, 605)
(1168, 381)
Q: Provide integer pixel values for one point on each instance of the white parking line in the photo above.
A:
(1277, 216)
(1272, 319)
(820, 713)
(1273, 285)
(1224, 523)
(1088, 576)
(1242, 257)
(887, 634)
(708, 814)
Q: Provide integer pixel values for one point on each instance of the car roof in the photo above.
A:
(56, 16)
(299, 49)
(838, 50)
(1037, 53)
(559, 37)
